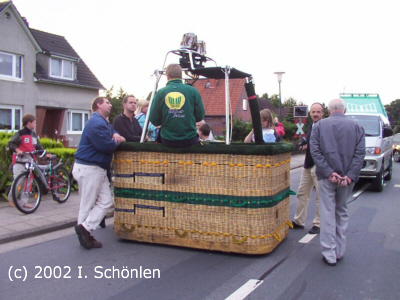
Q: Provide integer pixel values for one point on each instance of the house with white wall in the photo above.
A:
(41, 74)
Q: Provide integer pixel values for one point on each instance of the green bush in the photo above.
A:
(290, 130)
(63, 153)
(219, 138)
(5, 161)
(240, 129)
(48, 143)
(6, 135)
(4, 143)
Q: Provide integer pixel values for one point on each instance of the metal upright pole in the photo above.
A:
(158, 74)
(279, 76)
(280, 103)
(227, 114)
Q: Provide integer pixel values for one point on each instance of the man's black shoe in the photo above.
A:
(297, 226)
(327, 262)
(83, 236)
(314, 230)
(103, 223)
(95, 243)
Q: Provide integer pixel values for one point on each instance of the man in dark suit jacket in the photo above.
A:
(337, 147)
(308, 178)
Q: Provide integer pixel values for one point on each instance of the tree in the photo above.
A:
(290, 130)
(116, 102)
(116, 109)
(289, 103)
(240, 129)
(393, 111)
(121, 94)
(325, 111)
(274, 101)
(109, 92)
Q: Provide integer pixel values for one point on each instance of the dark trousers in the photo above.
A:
(181, 144)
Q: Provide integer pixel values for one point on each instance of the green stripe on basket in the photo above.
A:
(204, 199)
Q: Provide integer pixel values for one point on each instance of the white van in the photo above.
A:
(378, 161)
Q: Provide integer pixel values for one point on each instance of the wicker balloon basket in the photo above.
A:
(216, 197)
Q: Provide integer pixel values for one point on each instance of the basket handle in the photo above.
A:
(181, 235)
(178, 199)
(277, 236)
(243, 203)
(125, 228)
(236, 241)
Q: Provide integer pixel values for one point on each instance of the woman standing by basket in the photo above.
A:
(142, 107)
(269, 131)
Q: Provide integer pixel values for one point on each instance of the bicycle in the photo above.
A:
(26, 189)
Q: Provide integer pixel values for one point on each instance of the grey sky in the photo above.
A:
(325, 47)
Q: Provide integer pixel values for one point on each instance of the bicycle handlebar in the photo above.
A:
(31, 153)
(44, 152)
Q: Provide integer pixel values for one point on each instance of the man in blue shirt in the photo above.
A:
(98, 142)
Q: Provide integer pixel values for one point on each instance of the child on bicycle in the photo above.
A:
(25, 140)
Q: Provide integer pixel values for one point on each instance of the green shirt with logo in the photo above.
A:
(177, 107)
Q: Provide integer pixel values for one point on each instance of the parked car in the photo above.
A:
(396, 147)
(369, 112)
(378, 146)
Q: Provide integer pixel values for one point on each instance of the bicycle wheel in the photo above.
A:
(26, 192)
(60, 185)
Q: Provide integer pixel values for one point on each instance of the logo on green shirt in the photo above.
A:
(175, 100)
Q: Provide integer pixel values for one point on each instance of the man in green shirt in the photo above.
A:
(177, 107)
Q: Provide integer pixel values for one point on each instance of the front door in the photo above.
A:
(49, 122)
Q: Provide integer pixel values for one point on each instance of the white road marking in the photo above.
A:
(307, 238)
(245, 289)
(362, 190)
(397, 185)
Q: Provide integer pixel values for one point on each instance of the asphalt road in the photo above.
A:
(56, 267)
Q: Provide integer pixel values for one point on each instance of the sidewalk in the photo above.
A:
(52, 216)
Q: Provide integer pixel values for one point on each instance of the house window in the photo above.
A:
(10, 118)
(61, 68)
(244, 104)
(10, 66)
(77, 121)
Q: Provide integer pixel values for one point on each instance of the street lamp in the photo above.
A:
(279, 75)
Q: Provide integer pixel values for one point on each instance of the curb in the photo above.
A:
(296, 167)
(32, 233)
(46, 229)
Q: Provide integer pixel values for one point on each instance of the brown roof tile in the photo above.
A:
(212, 92)
(264, 103)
